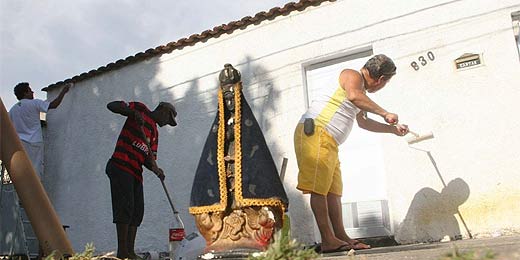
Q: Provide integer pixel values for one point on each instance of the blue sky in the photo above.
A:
(46, 41)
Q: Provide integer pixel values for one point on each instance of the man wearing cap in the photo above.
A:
(135, 147)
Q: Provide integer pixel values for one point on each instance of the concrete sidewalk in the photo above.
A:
(503, 248)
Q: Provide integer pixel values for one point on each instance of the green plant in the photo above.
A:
(285, 248)
(88, 254)
(468, 255)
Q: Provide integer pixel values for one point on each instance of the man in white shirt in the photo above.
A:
(25, 116)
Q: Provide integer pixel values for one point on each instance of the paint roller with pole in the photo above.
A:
(416, 138)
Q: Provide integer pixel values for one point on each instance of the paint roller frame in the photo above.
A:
(418, 138)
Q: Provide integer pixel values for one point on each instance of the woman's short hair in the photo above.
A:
(380, 65)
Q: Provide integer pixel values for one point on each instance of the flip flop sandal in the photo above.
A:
(342, 248)
(358, 245)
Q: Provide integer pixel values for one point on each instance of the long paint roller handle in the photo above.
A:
(169, 198)
(413, 133)
(175, 212)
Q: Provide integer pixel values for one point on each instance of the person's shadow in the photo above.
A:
(431, 215)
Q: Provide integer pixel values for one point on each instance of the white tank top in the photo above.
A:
(333, 111)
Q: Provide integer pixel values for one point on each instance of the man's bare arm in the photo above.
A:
(352, 82)
(120, 107)
(57, 101)
(377, 127)
(151, 165)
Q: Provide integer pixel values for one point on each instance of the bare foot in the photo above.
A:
(333, 244)
(357, 245)
(354, 243)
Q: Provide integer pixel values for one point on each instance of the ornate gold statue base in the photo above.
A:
(246, 229)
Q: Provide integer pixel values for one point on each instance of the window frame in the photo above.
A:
(515, 19)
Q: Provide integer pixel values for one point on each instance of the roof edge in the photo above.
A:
(193, 39)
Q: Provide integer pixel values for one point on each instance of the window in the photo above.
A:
(516, 29)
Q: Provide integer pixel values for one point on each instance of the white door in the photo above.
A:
(365, 210)
(361, 156)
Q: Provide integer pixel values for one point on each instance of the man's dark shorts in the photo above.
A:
(127, 196)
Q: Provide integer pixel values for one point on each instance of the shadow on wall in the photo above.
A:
(81, 137)
(262, 97)
(263, 100)
(431, 215)
(77, 172)
(197, 111)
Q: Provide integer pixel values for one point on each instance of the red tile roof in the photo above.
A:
(195, 38)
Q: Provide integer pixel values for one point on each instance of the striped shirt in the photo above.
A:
(333, 111)
(131, 149)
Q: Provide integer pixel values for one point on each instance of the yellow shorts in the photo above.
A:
(318, 162)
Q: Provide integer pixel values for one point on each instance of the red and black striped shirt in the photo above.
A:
(131, 149)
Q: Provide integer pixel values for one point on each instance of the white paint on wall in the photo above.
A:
(468, 112)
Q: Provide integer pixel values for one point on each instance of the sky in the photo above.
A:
(46, 41)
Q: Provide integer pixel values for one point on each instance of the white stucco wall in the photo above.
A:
(455, 105)
(469, 112)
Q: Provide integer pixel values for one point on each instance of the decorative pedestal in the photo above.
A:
(250, 229)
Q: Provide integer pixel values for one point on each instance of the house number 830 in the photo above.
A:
(422, 61)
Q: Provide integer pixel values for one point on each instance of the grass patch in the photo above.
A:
(88, 254)
(285, 248)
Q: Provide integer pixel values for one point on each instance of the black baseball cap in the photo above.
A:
(173, 112)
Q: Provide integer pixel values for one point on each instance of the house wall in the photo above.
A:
(479, 159)
(468, 111)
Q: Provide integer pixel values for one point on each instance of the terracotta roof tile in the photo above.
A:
(195, 38)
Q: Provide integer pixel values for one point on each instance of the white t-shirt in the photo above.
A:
(25, 116)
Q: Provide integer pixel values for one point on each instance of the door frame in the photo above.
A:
(353, 229)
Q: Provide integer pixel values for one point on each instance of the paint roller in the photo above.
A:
(415, 137)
